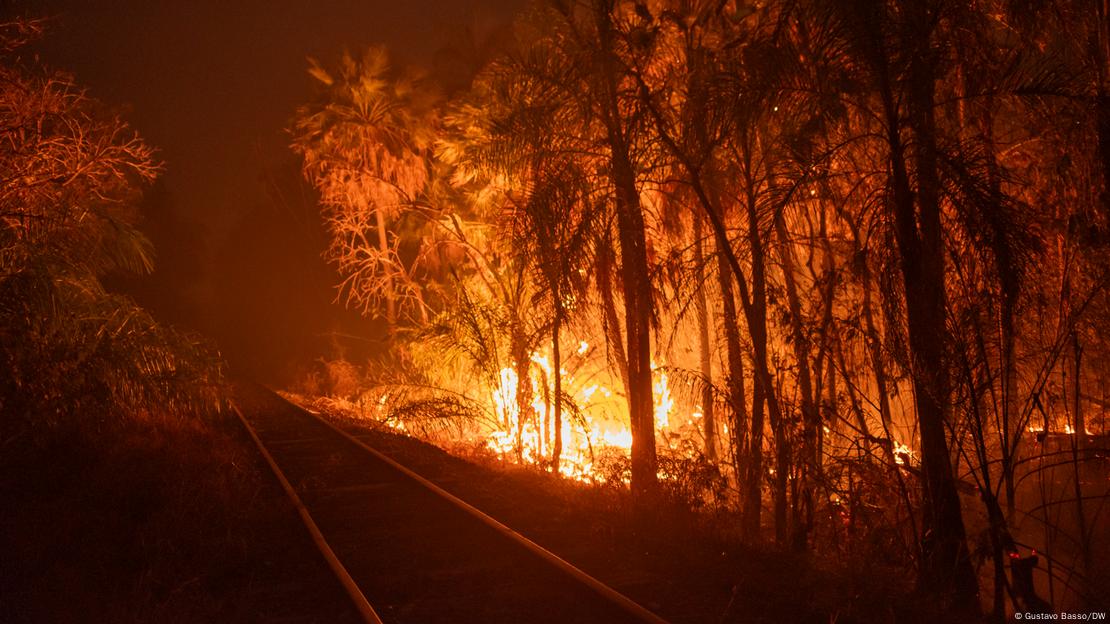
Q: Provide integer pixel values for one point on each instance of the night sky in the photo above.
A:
(213, 86)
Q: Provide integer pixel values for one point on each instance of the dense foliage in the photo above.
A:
(72, 353)
(868, 242)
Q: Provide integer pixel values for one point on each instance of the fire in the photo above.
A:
(661, 395)
(903, 454)
(504, 398)
(590, 426)
(1070, 430)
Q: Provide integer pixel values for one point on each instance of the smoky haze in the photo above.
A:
(213, 86)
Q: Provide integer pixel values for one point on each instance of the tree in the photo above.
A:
(740, 135)
(70, 176)
(590, 85)
(871, 177)
(366, 143)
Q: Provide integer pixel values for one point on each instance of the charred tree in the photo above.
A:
(701, 309)
(635, 280)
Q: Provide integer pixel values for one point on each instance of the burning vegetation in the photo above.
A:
(833, 275)
(849, 258)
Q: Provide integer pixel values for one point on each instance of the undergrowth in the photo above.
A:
(140, 520)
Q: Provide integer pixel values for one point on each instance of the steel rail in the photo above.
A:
(628, 605)
(357, 597)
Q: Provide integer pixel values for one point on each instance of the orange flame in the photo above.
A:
(598, 429)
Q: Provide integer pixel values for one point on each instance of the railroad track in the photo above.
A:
(407, 551)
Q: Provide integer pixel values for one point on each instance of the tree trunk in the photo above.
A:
(637, 319)
(753, 493)
(522, 366)
(758, 330)
(735, 355)
(635, 280)
(874, 342)
(1078, 446)
(946, 565)
(557, 365)
(613, 329)
(709, 422)
(1011, 408)
(383, 246)
(1009, 290)
(811, 421)
(754, 302)
(832, 404)
(696, 94)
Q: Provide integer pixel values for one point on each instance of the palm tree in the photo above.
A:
(701, 141)
(592, 30)
(569, 78)
(366, 144)
(518, 144)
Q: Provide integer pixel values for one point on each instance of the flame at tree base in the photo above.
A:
(588, 429)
